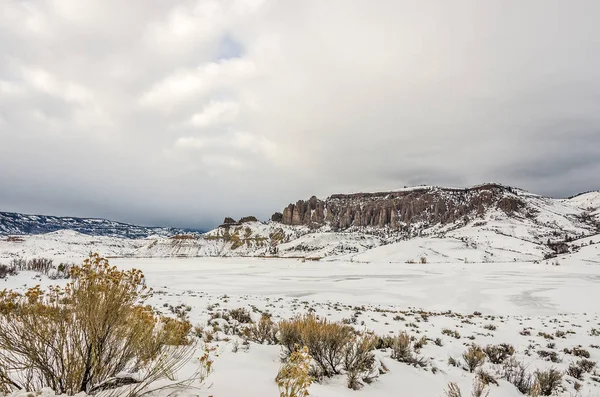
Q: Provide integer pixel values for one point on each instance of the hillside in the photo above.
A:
(21, 224)
(486, 223)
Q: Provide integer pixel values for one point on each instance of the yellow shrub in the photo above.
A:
(293, 379)
(326, 341)
(74, 338)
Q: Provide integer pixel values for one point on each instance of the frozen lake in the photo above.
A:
(499, 288)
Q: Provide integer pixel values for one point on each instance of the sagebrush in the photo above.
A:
(78, 337)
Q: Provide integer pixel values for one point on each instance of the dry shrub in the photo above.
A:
(577, 369)
(535, 390)
(264, 331)
(453, 390)
(384, 342)
(453, 362)
(7, 270)
(497, 354)
(474, 357)
(515, 372)
(293, 379)
(326, 341)
(486, 378)
(42, 265)
(359, 361)
(418, 345)
(578, 351)
(79, 337)
(549, 381)
(586, 365)
(403, 351)
(480, 388)
(402, 348)
(241, 315)
(549, 355)
(453, 333)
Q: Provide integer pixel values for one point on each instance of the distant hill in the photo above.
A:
(22, 224)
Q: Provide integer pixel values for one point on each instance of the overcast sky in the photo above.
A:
(183, 112)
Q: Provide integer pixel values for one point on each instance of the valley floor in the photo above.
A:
(534, 307)
(494, 288)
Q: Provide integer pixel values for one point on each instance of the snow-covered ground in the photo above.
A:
(386, 298)
(510, 288)
(482, 280)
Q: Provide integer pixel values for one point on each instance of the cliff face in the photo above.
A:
(400, 208)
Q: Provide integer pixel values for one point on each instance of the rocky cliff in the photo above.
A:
(397, 209)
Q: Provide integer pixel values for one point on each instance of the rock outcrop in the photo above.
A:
(396, 209)
(228, 222)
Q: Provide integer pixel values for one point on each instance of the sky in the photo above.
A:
(179, 113)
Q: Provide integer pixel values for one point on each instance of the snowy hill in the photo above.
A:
(486, 223)
(589, 202)
(22, 224)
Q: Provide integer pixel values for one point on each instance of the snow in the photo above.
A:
(511, 295)
(45, 392)
(493, 265)
(586, 200)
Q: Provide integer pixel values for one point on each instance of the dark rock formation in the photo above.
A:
(401, 208)
(277, 217)
(229, 222)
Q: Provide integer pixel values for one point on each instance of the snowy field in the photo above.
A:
(534, 307)
(507, 288)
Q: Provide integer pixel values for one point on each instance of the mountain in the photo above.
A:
(21, 224)
(484, 223)
(400, 209)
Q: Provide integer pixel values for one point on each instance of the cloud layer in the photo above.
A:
(180, 113)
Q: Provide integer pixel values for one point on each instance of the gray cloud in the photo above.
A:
(182, 113)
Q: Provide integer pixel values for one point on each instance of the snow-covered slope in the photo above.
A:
(500, 225)
(21, 224)
(589, 202)
(67, 244)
